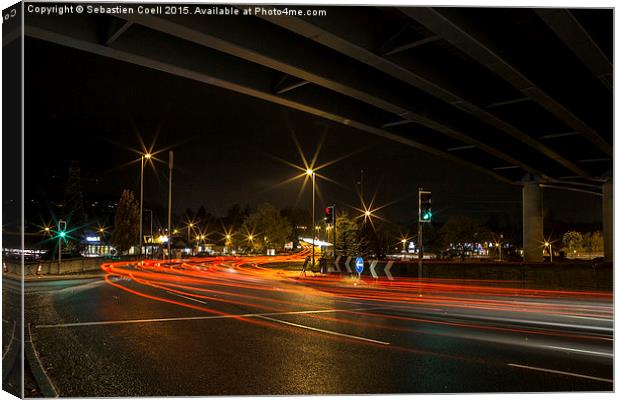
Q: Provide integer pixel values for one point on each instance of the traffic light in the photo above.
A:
(425, 207)
(330, 214)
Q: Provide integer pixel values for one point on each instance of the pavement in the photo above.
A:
(228, 326)
(52, 277)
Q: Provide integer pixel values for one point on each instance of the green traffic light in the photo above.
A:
(62, 234)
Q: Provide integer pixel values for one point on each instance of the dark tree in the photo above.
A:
(458, 231)
(268, 227)
(73, 211)
(349, 241)
(126, 223)
(301, 221)
(235, 216)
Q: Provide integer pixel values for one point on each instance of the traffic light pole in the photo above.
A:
(424, 215)
(334, 229)
(62, 226)
(420, 249)
(59, 253)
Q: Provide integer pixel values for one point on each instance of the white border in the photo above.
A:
(480, 3)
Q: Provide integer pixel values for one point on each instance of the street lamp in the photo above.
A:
(312, 174)
(190, 226)
(146, 156)
(151, 231)
(170, 165)
(548, 244)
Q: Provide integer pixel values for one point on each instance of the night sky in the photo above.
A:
(93, 109)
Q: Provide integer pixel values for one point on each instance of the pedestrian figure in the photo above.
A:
(303, 270)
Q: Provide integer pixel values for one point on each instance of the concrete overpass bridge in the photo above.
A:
(520, 94)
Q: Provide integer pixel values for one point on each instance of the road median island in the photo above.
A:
(566, 275)
(77, 268)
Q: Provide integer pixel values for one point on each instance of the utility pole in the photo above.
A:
(170, 164)
(141, 201)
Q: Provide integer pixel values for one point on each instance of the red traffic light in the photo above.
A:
(329, 214)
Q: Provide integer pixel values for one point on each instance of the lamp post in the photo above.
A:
(151, 229)
(548, 244)
(148, 157)
(170, 164)
(189, 239)
(312, 174)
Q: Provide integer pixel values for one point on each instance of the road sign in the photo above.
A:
(359, 265)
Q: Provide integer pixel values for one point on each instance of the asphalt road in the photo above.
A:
(232, 327)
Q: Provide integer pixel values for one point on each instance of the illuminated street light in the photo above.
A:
(311, 173)
(548, 244)
(309, 170)
(144, 156)
(190, 225)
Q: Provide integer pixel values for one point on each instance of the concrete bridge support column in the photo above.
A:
(608, 219)
(532, 222)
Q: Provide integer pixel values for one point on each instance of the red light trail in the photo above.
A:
(260, 282)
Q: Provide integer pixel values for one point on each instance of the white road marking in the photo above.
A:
(553, 371)
(36, 356)
(322, 330)
(187, 297)
(596, 353)
(11, 341)
(197, 318)
(592, 318)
